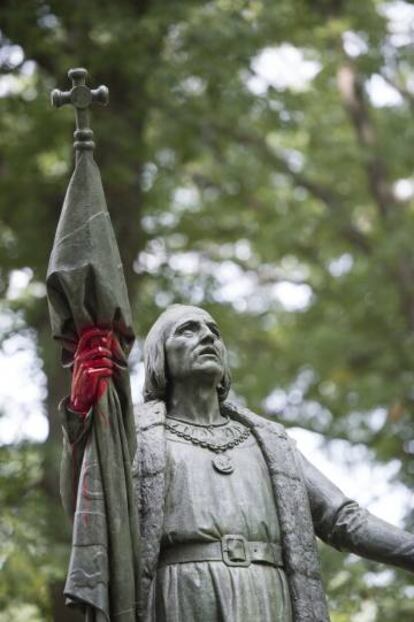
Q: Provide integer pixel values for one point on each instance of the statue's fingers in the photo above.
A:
(104, 362)
(99, 372)
(90, 333)
(93, 333)
(78, 371)
(85, 374)
(97, 352)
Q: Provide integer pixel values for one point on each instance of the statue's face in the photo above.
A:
(194, 346)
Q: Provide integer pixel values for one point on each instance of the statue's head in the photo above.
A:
(184, 342)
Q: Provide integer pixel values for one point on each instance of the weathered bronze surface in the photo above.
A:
(86, 288)
(227, 507)
(81, 97)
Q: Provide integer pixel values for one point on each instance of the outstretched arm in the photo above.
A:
(342, 523)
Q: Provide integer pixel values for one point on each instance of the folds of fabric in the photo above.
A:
(86, 288)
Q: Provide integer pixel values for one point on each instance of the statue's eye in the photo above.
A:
(215, 330)
(188, 328)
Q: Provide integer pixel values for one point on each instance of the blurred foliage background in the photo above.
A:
(257, 161)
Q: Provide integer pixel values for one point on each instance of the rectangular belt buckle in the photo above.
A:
(235, 550)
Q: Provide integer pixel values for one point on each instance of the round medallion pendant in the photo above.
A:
(223, 464)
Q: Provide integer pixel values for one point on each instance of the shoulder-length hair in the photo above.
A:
(156, 375)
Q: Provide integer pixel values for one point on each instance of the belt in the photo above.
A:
(232, 549)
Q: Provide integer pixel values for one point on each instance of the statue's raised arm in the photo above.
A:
(90, 316)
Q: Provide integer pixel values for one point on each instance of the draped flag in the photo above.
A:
(86, 288)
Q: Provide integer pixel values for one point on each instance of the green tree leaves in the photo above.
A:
(240, 187)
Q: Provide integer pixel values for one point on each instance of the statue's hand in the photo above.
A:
(93, 366)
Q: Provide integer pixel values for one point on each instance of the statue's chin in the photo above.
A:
(208, 364)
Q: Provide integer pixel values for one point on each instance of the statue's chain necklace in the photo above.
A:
(217, 438)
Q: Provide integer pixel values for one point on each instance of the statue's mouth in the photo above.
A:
(208, 350)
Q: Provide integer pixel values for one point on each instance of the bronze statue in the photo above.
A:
(224, 510)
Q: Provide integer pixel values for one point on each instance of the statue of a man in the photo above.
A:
(215, 519)
(228, 506)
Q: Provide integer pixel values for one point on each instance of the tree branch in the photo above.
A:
(354, 102)
(352, 95)
(324, 194)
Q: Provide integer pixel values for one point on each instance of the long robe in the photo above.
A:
(202, 505)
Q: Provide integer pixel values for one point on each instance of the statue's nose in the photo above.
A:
(207, 335)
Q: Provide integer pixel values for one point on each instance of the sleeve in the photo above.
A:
(75, 430)
(342, 523)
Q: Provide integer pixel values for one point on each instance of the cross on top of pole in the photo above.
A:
(81, 97)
